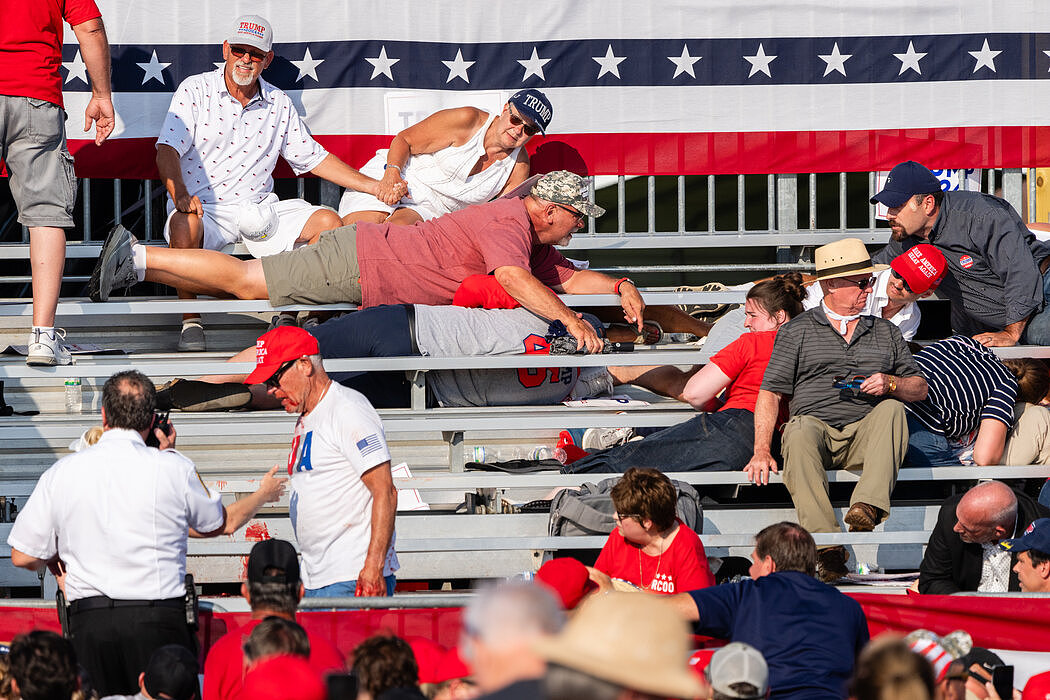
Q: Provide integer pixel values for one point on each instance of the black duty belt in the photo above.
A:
(100, 602)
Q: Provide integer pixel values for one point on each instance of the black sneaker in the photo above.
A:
(115, 268)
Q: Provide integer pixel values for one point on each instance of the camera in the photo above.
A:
(160, 420)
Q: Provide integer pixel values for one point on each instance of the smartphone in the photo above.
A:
(1003, 681)
(341, 686)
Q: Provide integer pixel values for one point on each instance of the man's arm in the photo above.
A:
(244, 509)
(1007, 337)
(94, 49)
(767, 406)
(27, 561)
(540, 300)
(591, 282)
(685, 606)
(380, 483)
(904, 388)
(171, 175)
(335, 170)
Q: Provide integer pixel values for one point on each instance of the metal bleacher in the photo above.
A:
(233, 450)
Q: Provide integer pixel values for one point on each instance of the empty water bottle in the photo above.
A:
(541, 452)
(74, 395)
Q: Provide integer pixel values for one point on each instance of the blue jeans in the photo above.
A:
(720, 441)
(1038, 330)
(926, 448)
(345, 589)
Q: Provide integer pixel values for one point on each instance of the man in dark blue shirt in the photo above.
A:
(808, 632)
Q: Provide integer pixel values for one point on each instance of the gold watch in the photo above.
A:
(893, 384)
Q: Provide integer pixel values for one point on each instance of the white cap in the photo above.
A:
(257, 224)
(252, 30)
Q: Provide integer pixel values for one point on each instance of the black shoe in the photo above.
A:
(115, 268)
(195, 395)
(831, 563)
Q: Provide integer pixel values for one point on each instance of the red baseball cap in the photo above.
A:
(284, 677)
(274, 348)
(566, 578)
(921, 266)
(1037, 687)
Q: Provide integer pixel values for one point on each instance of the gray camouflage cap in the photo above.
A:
(564, 187)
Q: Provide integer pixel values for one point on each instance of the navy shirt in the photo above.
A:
(809, 632)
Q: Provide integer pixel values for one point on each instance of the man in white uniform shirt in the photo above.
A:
(343, 497)
(216, 153)
(115, 517)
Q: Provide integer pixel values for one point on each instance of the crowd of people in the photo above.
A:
(447, 242)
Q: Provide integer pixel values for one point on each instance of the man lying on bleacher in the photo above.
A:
(403, 330)
(372, 264)
(998, 272)
(216, 152)
(963, 552)
(846, 375)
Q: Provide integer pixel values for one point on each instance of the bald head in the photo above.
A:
(987, 513)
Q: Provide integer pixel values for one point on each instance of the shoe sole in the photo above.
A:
(192, 347)
(859, 522)
(98, 286)
(41, 360)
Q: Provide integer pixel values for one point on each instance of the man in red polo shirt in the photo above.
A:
(273, 588)
(33, 139)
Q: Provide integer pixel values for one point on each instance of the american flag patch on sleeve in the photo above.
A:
(369, 445)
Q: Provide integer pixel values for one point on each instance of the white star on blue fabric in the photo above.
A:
(307, 66)
(610, 63)
(683, 63)
(154, 69)
(985, 58)
(760, 62)
(910, 60)
(1048, 56)
(382, 64)
(835, 61)
(533, 65)
(458, 67)
(77, 69)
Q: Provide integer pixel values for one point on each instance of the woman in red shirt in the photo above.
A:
(650, 547)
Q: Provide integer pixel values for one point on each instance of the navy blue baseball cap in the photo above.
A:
(534, 106)
(906, 180)
(1036, 536)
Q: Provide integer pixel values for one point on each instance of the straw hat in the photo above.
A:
(635, 641)
(844, 258)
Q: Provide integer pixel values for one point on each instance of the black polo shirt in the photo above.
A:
(808, 354)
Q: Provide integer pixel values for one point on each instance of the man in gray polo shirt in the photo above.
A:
(998, 272)
(846, 375)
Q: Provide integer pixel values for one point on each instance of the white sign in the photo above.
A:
(403, 109)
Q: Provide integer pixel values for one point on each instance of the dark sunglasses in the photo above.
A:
(865, 283)
(274, 381)
(578, 214)
(848, 382)
(515, 120)
(903, 281)
(254, 56)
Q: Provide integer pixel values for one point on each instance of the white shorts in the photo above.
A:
(220, 225)
(352, 200)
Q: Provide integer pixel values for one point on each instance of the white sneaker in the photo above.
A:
(47, 348)
(604, 438)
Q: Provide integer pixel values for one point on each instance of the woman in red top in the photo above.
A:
(650, 547)
(723, 440)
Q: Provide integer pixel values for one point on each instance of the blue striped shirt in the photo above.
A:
(967, 385)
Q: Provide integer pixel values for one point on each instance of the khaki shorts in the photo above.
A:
(323, 273)
(42, 180)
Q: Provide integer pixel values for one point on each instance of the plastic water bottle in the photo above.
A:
(74, 395)
(541, 452)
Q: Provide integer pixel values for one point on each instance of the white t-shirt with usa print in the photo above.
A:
(331, 509)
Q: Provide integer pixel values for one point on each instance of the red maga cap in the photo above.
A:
(278, 346)
(921, 266)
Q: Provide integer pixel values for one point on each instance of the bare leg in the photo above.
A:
(404, 217)
(186, 231)
(319, 222)
(206, 272)
(370, 217)
(47, 257)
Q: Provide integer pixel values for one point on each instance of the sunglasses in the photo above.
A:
(274, 381)
(577, 214)
(865, 283)
(847, 382)
(896, 275)
(253, 56)
(516, 120)
(620, 517)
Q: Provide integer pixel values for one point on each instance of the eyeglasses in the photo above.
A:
(865, 283)
(517, 120)
(620, 517)
(253, 56)
(896, 275)
(274, 381)
(848, 382)
(577, 214)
